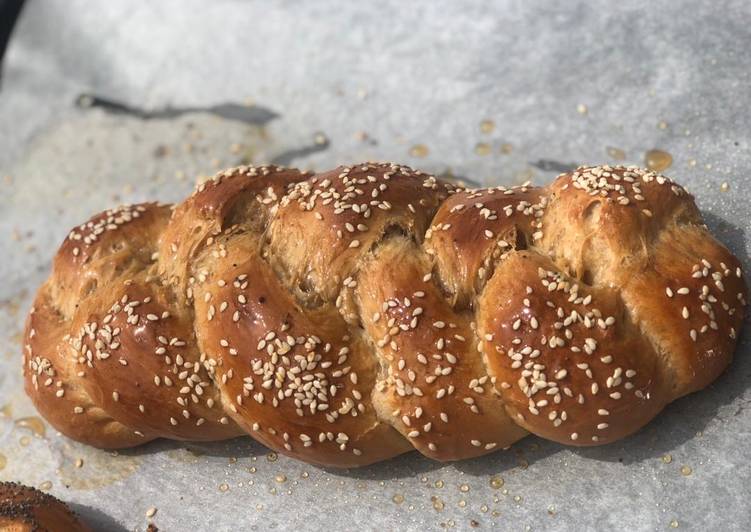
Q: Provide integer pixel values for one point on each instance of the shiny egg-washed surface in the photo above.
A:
(346, 317)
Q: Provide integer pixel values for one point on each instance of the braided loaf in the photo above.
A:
(347, 317)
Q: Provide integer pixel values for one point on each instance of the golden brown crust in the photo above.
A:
(570, 364)
(474, 229)
(436, 390)
(294, 378)
(347, 317)
(25, 509)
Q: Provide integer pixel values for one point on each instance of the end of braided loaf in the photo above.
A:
(347, 317)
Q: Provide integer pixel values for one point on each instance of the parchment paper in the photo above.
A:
(315, 84)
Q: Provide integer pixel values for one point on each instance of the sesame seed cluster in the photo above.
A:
(346, 317)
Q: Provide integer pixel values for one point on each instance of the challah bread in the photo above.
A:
(347, 317)
(25, 509)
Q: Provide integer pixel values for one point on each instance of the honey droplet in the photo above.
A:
(662, 124)
(223, 487)
(419, 150)
(686, 470)
(439, 483)
(517, 498)
(462, 503)
(304, 474)
(281, 479)
(482, 148)
(506, 148)
(582, 109)
(658, 160)
(6, 410)
(692, 162)
(398, 498)
(33, 423)
(464, 488)
(487, 126)
(673, 524)
(45, 486)
(3, 461)
(438, 504)
(272, 457)
(496, 483)
(484, 508)
(667, 458)
(724, 187)
(24, 441)
(616, 153)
